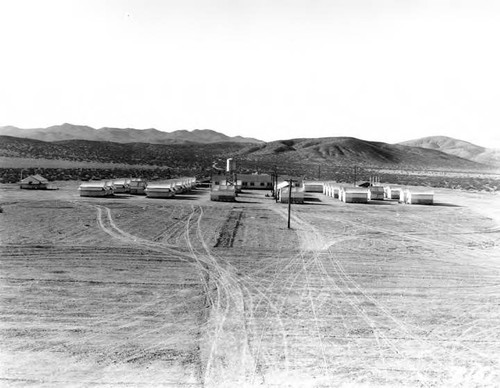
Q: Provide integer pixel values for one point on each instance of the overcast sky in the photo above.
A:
(275, 69)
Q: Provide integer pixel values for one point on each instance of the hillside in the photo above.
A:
(296, 153)
(192, 156)
(463, 149)
(122, 135)
(351, 151)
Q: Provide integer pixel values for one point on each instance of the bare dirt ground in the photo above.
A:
(131, 291)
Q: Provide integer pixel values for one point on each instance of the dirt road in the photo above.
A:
(137, 292)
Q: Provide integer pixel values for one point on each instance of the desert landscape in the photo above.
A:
(272, 194)
(131, 291)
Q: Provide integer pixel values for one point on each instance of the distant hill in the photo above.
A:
(463, 149)
(298, 155)
(122, 135)
(195, 156)
(352, 151)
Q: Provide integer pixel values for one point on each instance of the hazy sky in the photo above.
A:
(274, 69)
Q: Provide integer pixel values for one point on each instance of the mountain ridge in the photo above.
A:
(68, 131)
(350, 150)
(343, 149)
(456, 147)
(299, 154)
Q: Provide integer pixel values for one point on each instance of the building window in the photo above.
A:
(252, 184)
(262, 183)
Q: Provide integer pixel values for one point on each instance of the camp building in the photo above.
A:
(96, 189)
(34, 182)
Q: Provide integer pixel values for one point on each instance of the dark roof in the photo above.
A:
(35, 179)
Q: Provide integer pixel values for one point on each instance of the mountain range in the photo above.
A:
(150, 146)
(122, 135)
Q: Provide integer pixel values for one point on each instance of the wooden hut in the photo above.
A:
(34, 182)
(96, 189)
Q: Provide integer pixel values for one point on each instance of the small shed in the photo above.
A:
(376, 193)
(121, 185)
(223, 193)
(137, 186)
(184, 184)
(34, 182)
(392, 192)
(313, 187)
(354, 194)
(326, 189)
(420, 197)
(96, 189)
(297, 193)
(403, 196)
(160, 190)
(331, 189)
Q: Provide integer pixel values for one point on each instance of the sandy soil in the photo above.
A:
(131, 291)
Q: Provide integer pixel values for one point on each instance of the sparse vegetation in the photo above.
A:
(327, 159)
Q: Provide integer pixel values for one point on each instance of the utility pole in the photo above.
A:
(355, 171)
(289, 201)
(276, 183)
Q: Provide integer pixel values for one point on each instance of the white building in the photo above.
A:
(297, 193)
(160, 190)
(121, 185)
(354, 194)
(420, 197)
(313, 187)
(137, 186)
(96, 189)
(376, 193)
(392, 192)
(225, 193)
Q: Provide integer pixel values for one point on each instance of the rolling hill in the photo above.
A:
(352, 151)
(463, 149)
(192, 156)
(122, 135)
(299, 153)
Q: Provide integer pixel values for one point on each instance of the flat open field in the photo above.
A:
(137, 292)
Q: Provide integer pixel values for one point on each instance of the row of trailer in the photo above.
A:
(165, 189)
(365, 194)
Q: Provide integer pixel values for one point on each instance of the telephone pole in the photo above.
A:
(289, 200)
(276, 183)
